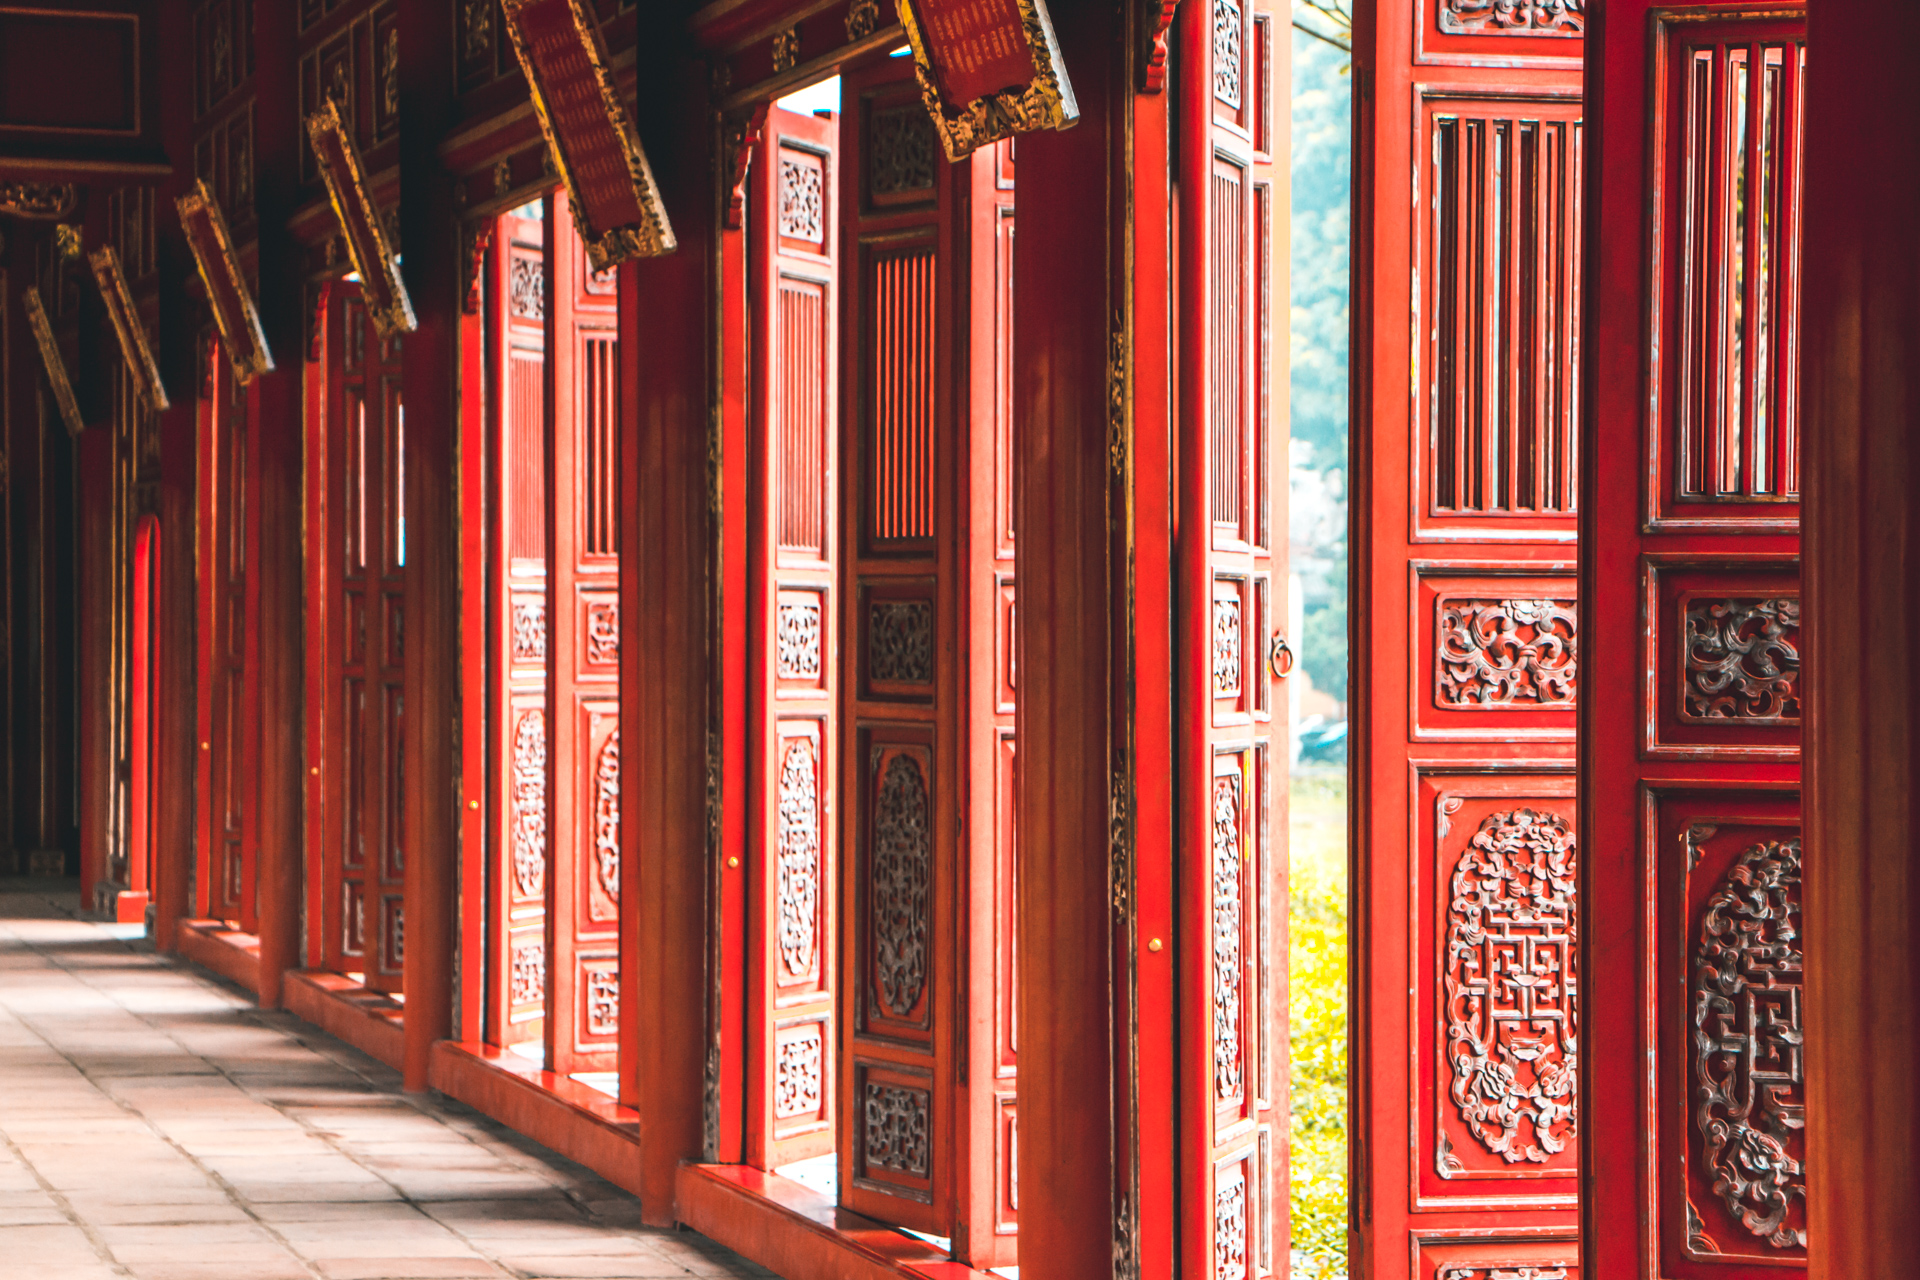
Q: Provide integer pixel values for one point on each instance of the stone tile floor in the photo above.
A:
(155, 1125)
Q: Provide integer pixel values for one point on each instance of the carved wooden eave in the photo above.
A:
(762, 49)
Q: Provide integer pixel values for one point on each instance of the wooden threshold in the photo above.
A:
(216, 945)
(561, 1114)
(341, 1007)
(799, 1233)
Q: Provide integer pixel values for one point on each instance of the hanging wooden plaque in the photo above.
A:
(233, 308)
(616, 204)
(134, 347)
(381, 287)
(988, 69)
(50, 357)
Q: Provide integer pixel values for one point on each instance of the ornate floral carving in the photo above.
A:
(801, 215)
(1228, 922)
(797, 639)
(603, 632)
(530, 804)
(1512, 1008)
(903, 150)
(529, 630)
(476, 28)
(1230, 1227)
(902, 881)
(603, 1002)
(1513, 17)
(1500, 1271)
(1226, 646)
(606, 817)
(786, 49)
(396, 934)
(1742, 660)
(796, 1076)
(1505, 653)
(527, 288)
(900, 641)
(529, 976)
(1155, 17)
(863, 19)
(1748, 1030)
(390, 72)
(894, 1129)
(1226, 52)
(799, 870)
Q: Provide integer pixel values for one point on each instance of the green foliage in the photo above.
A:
(1317, 997)
(1323, 647)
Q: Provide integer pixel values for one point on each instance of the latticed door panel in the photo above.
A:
(226, 889)
(519, 822)
(583, 656)
(794, 833)
(1467, 655)
(926, 1138)
(365, 864)
(1231, 958)
(1693, 775)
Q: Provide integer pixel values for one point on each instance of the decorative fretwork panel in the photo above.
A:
(1506, 653)
(1748, 1026)
(898, 395)
(1501, 239)
(1741, 659)
(1727, 174)
(1509, 984)
(1513, 17)
(800, 403)
(799, 876)
(901, 886)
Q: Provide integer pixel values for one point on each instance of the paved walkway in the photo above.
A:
(154, 1124)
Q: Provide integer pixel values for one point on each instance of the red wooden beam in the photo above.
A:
(1065, 292)
(432, 830)
(667, 532)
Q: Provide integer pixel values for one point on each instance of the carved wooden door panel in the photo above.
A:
(988, 1212)
(793, 832)
(1467, 647)
(583, 657)
(517, 816)
(363, 906)
(898, 779)
(1231, 959)
(1691, 735)
(224, 861)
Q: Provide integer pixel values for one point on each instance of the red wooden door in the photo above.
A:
(518, 821)
(927, 1126)
(1232, 758)
(224, 858)
(793, 832)
(1690, 803)
(1466, 662)
(142, 751)
(363, 905)
(987, 1215)
(583, 657)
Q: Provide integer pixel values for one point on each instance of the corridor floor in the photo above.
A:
(154, 1124)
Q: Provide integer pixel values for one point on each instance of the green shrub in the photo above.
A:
(1317, 982)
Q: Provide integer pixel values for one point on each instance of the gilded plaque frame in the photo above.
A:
(653, 236)
(50, 357)
(381, 287)
(1046, 102)
(227, 292)
(134, 347)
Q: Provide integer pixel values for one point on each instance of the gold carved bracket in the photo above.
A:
(47, 200)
